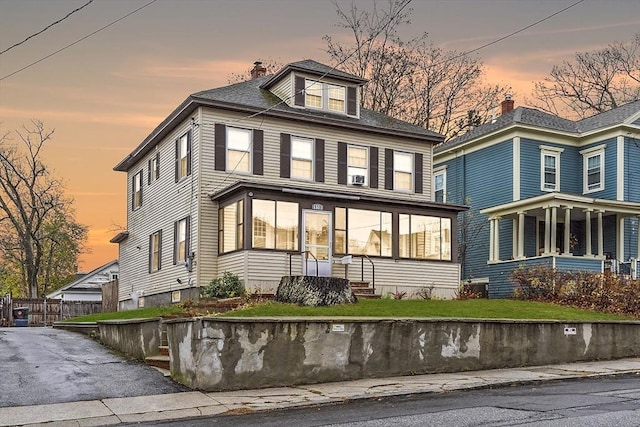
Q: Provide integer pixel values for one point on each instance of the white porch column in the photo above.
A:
(567, 230)
(600, 235)
(520, 235)
(587, 233)
(620, 239)
(496, 239)
(514, 243)
(547, 229)
(554, 229)
(492, 226)
(638, 237)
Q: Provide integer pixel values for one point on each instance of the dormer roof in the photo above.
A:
(314, 68)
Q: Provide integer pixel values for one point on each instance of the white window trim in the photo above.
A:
(183, 173)
(586, 155)
(412, 172)
(313, 160)
(442, 170)
(367, 172)
(555, 152)
(248, 152)
(138, 179)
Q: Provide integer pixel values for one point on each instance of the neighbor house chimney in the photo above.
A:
(258, 70)
(507, 104)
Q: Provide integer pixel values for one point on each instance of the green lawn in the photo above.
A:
(472, 308)
(140, 313)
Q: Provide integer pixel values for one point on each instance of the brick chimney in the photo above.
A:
(258, 70)
(507, 104)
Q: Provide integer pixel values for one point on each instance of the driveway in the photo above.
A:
(44, 365)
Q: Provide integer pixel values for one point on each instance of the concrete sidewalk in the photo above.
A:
(193, 404)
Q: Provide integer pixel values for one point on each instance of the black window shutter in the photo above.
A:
(388, 169)
(140, 178)
(299, 95)
(351, 101)
(189, 153)
(285, 155)
(220, 147)
(319, 160)
(133, 192)
(342, 163)
(418, 172)
(150, 252)
(149, 173)
(175, 243)
(159, 249)
(258, 152)
(157, 170)
(177, 158)
(373, 167)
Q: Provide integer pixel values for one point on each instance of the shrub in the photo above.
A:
(425, 292)
(594, 291)
(227, 286)
(467, 292)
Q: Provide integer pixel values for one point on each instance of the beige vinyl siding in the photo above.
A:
(284, 90)
(266, 268)
(404, 276)
(214, 181)
(163, 203)
(234, 262)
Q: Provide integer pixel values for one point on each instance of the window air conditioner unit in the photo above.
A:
(357, 179)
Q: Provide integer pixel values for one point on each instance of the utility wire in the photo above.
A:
(48, 26)
(78, 41)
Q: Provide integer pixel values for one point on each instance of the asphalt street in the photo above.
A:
(43, 365)
(589, 402)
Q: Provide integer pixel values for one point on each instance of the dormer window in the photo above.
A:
(330, 97)
(313, 94)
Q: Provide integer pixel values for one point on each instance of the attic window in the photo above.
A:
(313, 94)
(326, 96)
(336, 98)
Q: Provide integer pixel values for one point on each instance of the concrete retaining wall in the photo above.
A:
(231, 353)
(137, 338)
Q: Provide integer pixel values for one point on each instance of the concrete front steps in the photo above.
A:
(362, 290)
(161, 362)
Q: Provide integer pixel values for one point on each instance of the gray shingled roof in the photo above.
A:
(312, 67)
(534, 117)
(250, 95)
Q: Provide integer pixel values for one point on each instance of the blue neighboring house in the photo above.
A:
(543, 189)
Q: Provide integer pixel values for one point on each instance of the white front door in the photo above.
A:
(317, 240)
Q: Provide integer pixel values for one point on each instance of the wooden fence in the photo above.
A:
(43, 312)
(110, 296)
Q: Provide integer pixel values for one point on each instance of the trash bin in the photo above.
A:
(21, 316)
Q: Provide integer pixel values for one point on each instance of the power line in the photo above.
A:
(78, 41)
(47, 27)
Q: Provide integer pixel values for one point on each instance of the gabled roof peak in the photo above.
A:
(315, 68)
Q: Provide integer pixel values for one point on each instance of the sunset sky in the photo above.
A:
(105, 94)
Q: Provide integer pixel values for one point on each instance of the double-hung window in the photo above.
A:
(154, 168)
(181, 230)
(357, 165)
(440, 185)
(136, 191)
(313, 94)
(155, 251)
(402, 171)
(238, 150)
(183, 156)
(550, 168)
(275, 224)
(301, 158)
(336, 95)
(593, 169)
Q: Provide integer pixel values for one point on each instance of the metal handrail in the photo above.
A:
(307, 253)
(373, 270)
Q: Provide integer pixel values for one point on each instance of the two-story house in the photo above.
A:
(283, 174)
(543, 189)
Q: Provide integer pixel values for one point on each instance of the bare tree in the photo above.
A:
(412, 80)
(38, 233)
(593, 82)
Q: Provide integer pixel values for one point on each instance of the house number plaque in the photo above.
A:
(317, 207)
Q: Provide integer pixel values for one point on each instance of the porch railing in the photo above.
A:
(373, 270)
(306, 254)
